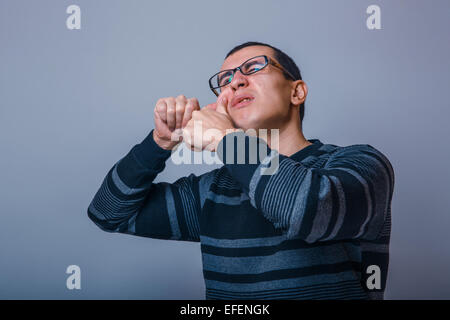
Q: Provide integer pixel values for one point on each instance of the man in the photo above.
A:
(316, 228)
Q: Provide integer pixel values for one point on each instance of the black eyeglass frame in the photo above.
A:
(267, 61)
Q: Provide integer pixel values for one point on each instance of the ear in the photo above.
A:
(299, 92)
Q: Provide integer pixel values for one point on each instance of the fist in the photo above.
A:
(208, 126)
(171, 115)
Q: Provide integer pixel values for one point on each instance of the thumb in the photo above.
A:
(211, 106)
(222, 105)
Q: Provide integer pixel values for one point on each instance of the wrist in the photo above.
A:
(223, 133)
(163, 143)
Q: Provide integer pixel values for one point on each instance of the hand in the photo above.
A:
(171, 115)
(208, 126)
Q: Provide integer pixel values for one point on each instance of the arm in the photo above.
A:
(348, 198)
(129, 202)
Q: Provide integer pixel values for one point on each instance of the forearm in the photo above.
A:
(127, 184)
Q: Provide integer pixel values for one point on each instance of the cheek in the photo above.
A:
(273, 100)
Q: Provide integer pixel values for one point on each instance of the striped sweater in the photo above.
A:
(312, 230)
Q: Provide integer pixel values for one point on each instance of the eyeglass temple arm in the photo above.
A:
(279, 66)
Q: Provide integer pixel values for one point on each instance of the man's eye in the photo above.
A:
(225, 81)
(253, 67)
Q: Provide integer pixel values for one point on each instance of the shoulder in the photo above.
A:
(362, 156)
(332, 152)
(362, 151)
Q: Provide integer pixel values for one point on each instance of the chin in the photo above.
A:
(247, 121)
(244, 125)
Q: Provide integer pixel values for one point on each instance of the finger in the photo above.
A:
(190, 140)
(176, 135)
(187, 138)
(180, 105)
(161, 126)
(222, 105)
(161, 109)
(191, 106)
(171, 113)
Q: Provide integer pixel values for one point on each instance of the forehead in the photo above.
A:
(237, 58)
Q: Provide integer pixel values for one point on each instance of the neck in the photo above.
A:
(290, 139)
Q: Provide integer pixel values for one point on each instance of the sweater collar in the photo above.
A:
(307, 151)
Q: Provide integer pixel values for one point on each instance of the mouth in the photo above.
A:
(242, 102)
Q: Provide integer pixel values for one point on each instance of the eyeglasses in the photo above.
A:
(252, 65)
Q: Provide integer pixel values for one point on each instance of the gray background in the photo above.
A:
(73, 102)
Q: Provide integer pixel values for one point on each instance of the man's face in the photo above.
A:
(270, 90)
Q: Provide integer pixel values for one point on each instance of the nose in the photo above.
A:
(239, 80)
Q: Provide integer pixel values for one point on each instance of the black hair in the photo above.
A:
(283, 59)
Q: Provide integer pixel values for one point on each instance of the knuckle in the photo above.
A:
(179, 107)
(161, 101)
(170, 100)
(161, 107)
(170, 104)
(189, 106)
(195, 103)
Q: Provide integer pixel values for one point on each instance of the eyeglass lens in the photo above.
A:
(251, 66)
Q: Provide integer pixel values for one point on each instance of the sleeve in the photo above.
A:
(348, 198)
(129, 202)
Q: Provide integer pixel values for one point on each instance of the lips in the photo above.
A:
(241, 100)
